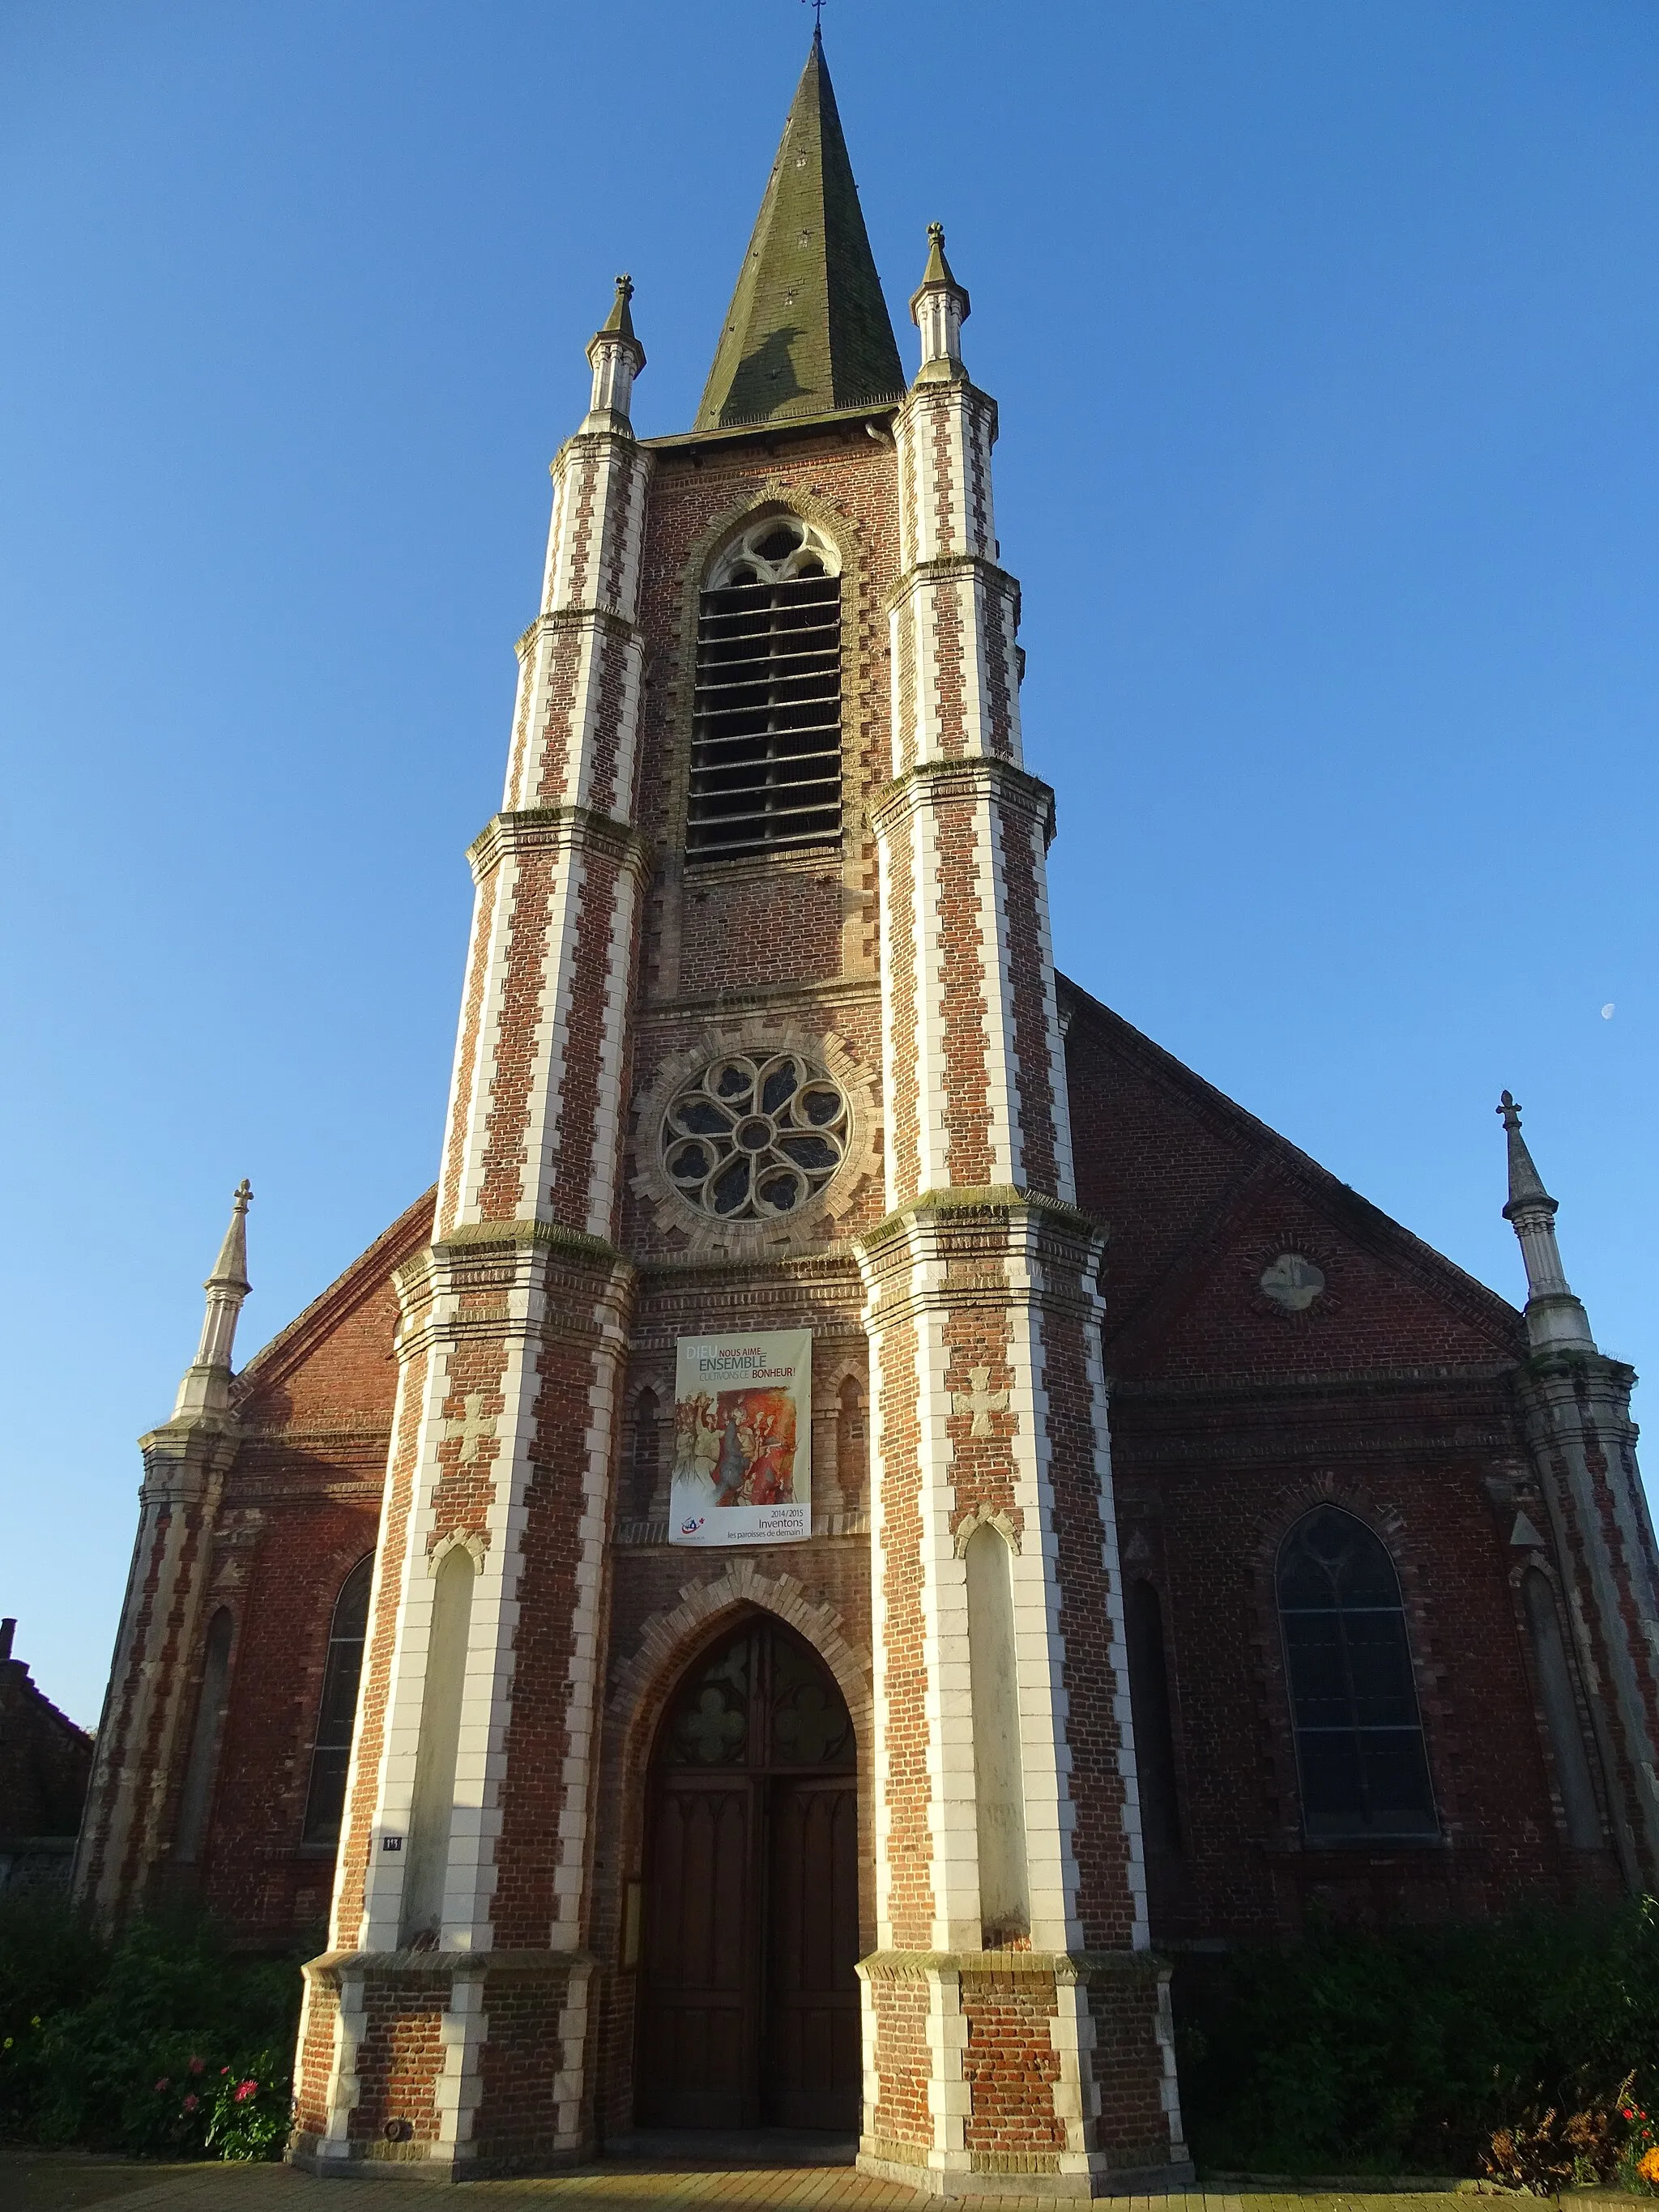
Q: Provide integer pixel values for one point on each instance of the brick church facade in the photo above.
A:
(1188, 1544)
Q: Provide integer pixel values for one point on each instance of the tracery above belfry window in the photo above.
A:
(753, 1137)
(766, 718)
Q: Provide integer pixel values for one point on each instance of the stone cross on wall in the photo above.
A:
(979, 1401)
(472, 1431)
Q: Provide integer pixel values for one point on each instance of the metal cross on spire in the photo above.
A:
(816, 6)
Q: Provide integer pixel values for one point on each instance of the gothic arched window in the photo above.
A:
(1149, 1707)
(852, 1444)
(1354, 1703)
(330, 1750)
(646, 1451)
(766, 727)
(197, 1793)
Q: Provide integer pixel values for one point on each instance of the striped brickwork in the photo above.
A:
(460, 2043)
(1040, 2049)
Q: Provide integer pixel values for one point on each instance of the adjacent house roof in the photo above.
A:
(807, 330)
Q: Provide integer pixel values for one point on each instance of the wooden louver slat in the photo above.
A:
(766, 723)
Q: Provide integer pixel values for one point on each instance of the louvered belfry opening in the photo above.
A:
(766, 730)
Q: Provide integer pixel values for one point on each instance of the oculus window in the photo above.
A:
(752, 1139)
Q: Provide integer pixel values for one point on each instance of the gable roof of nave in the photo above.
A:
(359, 1304)
(1199, 1197)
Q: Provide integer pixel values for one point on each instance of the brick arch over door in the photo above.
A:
(668, 1642)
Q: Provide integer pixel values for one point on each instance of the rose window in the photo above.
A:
(752, 1139)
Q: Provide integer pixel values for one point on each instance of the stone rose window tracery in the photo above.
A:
(755, 1137)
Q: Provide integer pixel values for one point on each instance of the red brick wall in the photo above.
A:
(311, 2074)
(44, 1760)
(400, 2057)
(1128, 2067)
(903, 2111)
(281, 1584)
(1010, 2065)
(911, 1855)
(1230, 1420)
(302, 1507)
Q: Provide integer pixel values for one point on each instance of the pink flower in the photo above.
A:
(224, 2070)
(160, 2086)
(195, 2065)
(191, 2104)
(247, 2089)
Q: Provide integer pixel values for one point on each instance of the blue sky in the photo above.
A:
(1327, 342)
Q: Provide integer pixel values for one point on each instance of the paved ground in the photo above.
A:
(37, 2182)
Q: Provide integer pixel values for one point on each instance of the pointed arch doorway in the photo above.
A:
(749, 2012)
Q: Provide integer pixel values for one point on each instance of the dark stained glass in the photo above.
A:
(761, 1699)
(331, 1754)
(1358, 1734)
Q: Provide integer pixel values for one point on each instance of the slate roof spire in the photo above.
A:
(808, 328)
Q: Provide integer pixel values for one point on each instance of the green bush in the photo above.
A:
(1402, 2050)
(146, 2041)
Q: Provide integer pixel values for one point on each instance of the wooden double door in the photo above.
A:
(749, 2012)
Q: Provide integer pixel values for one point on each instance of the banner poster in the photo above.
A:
(742, 1440)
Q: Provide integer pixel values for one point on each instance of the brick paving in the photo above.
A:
(35, 2182)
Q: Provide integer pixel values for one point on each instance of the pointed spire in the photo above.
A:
(616, 357)
(1556, 1322)
(1526, 1184)
(206, 1386)
(938, 308)
(807, 330)
(620, 322)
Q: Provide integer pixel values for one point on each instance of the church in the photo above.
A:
(869, 1510)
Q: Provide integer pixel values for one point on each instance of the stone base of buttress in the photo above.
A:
(441, 2065)
(949, 2182)
(1021, 2073)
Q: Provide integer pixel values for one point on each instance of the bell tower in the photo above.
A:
(759, 1033)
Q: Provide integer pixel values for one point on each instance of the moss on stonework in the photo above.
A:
(973, 1201)
(472, 1237)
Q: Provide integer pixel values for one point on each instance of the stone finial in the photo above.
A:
(230, 1268)
(938, 308)
(1555, 1319)
(620, 322)
(616, 357)
(206, 1385)
(937, 271)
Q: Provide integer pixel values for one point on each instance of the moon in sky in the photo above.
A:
(1607, 1011)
